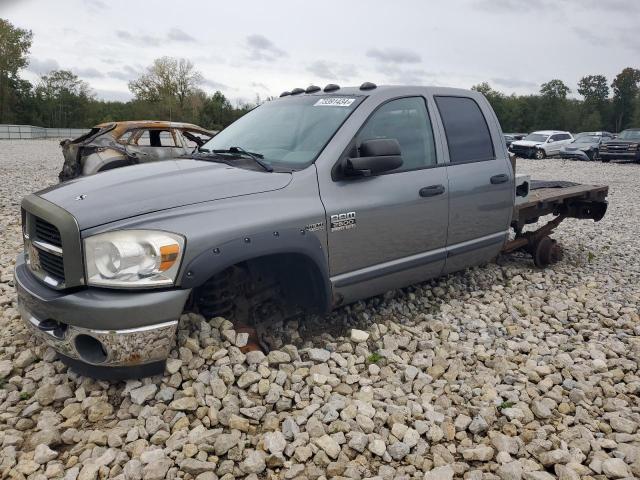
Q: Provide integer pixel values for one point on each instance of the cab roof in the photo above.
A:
(383, 90)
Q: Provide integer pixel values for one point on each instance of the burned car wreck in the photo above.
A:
(120, 144)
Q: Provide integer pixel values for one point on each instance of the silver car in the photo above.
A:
(584, 147)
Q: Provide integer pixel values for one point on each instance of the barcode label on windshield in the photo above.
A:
(334, 102)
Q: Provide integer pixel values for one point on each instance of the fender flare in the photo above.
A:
(275, 242)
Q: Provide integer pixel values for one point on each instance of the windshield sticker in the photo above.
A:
(334, 102)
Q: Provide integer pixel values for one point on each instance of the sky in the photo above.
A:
(246, 48)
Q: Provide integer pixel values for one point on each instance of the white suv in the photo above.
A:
(541, 144)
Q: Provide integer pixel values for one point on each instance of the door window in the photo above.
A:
(155, 138)
(407, 121)
(466, 130)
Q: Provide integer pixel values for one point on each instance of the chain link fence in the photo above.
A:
(9, 132)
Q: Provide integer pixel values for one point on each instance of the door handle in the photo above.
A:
(502, 178)
(431, 191)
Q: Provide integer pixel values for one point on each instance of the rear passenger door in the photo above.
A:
(481, 189)
(554, 144)
(565, 139)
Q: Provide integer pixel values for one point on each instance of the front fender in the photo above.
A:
(284, 241)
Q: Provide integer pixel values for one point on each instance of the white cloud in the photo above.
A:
(42, 66)
(244, 47)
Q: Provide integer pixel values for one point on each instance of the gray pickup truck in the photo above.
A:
(307, 203)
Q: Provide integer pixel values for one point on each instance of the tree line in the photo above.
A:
(170, 89)
(601, 108)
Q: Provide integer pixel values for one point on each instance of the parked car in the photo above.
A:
(605, 135)
(307, 203)
(585, 146)
(625, 146)
(120, 144)
(511, 137)
(541, 144)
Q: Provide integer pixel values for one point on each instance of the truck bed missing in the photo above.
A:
(561, 199)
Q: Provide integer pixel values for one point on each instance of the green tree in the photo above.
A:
(555, 89)
(595, 108)
(14, 48)
(168, 80)
(636, 113)
(594, 89)
(64, 99)
(552, 104)
(591, 122)
(625, 91)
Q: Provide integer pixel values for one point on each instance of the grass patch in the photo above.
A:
(504, 405)
(25, 396)
(375, 357)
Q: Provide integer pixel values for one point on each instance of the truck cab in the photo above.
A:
(309, 202)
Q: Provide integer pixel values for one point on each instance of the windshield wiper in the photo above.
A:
(257, 157)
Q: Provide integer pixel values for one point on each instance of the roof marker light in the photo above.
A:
(368, 86)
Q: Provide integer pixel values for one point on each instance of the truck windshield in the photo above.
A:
(289, 132)
(630, 135)
(587, 139)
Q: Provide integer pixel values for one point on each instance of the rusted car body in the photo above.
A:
(119, 144)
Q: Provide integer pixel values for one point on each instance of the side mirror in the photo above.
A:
(376, 156)
(551, 140)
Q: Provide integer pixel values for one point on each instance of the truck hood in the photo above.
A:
(526, 143)
(127, 192)
(580, 146)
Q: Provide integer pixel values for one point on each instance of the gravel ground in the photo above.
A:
(502, 372)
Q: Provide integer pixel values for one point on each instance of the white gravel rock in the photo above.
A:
(359, 336)
(502, 371)
(44, 454)
(143, 394)
(445, 472)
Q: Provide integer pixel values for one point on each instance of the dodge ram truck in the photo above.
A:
(307, 203)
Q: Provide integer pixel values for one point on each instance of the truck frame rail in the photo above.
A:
(561, 199)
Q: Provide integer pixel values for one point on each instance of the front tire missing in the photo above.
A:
(263, 292)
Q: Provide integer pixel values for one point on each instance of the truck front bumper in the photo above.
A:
(100, 327)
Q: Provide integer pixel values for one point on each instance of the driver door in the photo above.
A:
(389, 230)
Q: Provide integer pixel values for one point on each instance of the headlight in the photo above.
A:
(133, 258)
